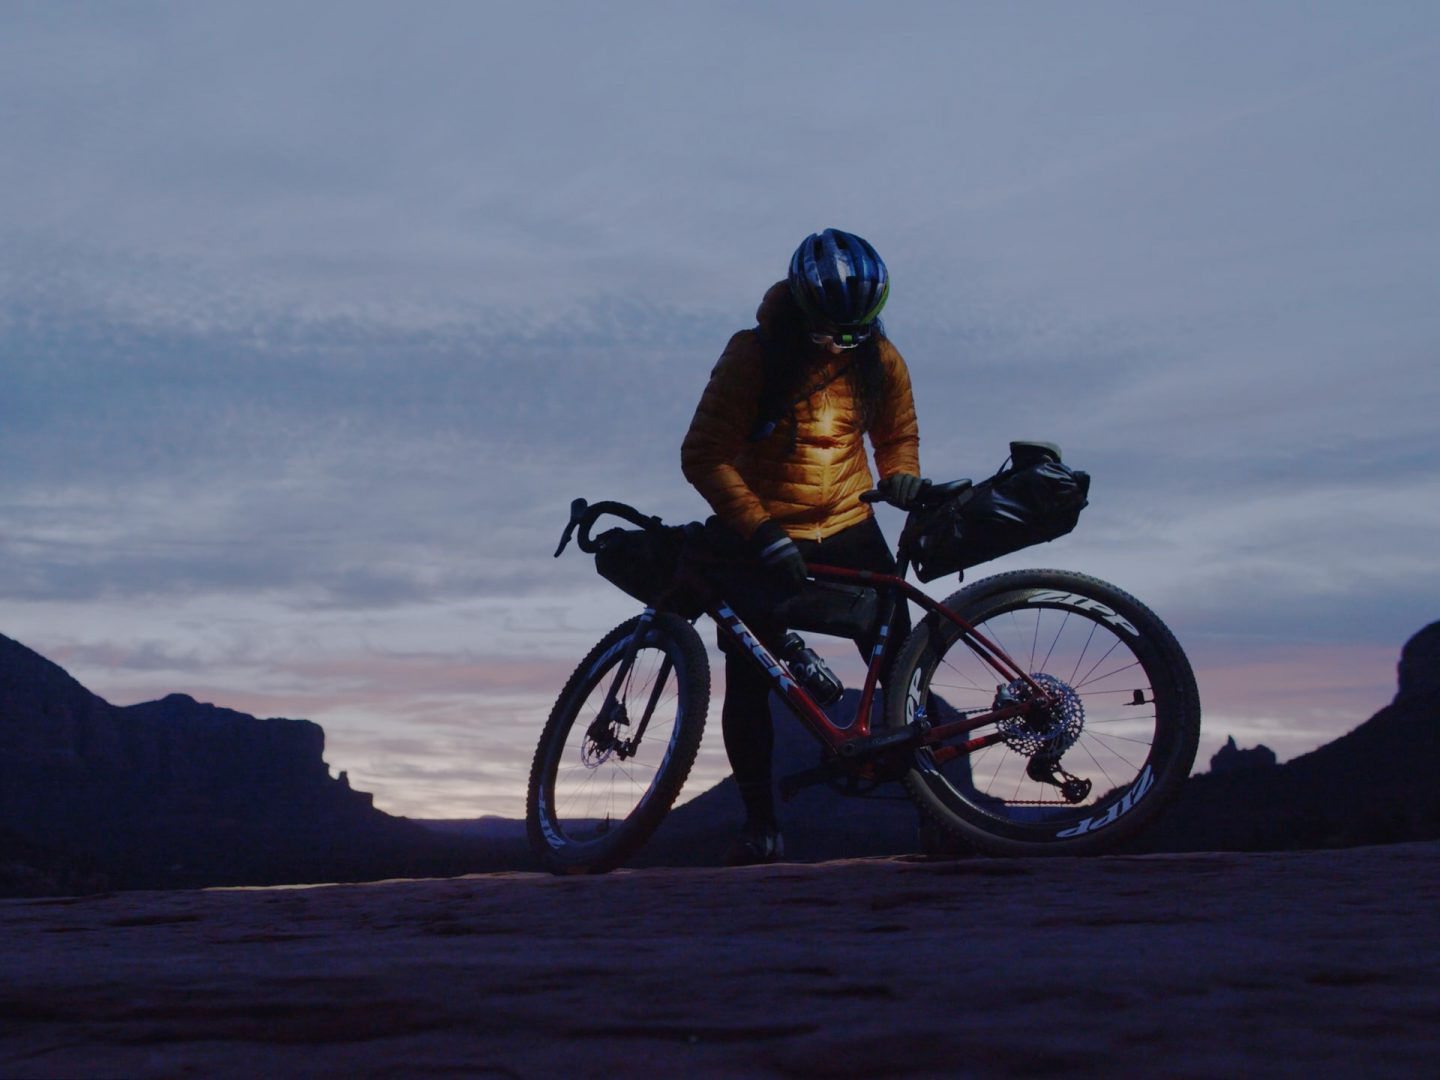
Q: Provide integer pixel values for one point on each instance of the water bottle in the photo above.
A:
(809, 670)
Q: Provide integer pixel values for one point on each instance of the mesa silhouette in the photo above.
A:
(1374, 785)
(175, 793)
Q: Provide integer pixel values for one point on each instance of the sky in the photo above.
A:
(314, 318)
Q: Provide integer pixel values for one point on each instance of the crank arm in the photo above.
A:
(853, 755)
(792, 785)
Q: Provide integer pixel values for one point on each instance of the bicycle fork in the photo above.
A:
(604, 730)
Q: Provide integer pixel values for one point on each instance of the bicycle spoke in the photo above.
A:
(1102, 769)
(1094, 678)
(1045, 664)
(1106, 739)
(1085, 679)
(1081, 658)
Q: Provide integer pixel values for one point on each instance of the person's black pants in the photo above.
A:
(745, 716)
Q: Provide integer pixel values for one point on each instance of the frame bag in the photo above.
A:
(1033, 500)
(821, 607)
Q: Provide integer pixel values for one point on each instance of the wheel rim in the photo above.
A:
(594, 783)
(1105, 730)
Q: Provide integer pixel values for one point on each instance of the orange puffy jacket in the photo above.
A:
(812, 490)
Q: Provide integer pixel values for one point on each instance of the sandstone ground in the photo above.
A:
(1311, 963)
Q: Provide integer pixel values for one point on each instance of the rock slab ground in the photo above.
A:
(1310, 963)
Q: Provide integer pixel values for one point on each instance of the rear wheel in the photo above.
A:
(1085, 774)
(614, 754)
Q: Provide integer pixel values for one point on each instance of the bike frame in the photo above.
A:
(856, 738)
(985, 767)
(855, 743)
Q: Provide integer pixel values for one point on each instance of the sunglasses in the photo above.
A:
(848, 340)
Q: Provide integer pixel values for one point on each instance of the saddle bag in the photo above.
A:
(1034, 499)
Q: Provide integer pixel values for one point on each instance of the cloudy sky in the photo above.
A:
(314, 318)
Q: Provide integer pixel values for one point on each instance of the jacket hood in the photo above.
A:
(776, 300)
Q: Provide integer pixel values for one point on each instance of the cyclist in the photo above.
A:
(776, 448)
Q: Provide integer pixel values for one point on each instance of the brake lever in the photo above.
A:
(577, 513)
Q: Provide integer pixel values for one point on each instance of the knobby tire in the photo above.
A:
(1131, 694)
(588, 810)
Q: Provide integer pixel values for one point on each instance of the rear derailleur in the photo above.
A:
(1047, 770)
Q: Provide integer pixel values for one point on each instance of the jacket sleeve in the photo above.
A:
(895, 434)
(723, 420)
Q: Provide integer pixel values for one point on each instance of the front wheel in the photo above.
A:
(1088, 772)
(618, 746)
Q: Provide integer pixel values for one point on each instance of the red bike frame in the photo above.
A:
(892, 588)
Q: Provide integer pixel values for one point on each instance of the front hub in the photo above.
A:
(602, 736)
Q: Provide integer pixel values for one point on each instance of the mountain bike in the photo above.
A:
(1033, 712)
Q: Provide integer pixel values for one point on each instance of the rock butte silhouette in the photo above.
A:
(1375, 784)
(175, 793)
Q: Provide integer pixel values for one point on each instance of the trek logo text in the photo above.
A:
(774, 667)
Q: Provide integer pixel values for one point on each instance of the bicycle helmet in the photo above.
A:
(840, 284)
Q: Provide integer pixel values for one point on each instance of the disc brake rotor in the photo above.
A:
(602, 738)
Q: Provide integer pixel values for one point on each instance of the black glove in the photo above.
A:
(780, 558)
(900, 489)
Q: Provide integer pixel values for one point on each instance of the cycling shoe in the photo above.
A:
(756, 844)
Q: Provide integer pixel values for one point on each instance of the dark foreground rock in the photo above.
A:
(1296, 964)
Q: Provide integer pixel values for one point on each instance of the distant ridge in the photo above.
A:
(176, 793)
(1376, 784)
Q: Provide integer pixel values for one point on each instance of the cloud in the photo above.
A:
(307, 339)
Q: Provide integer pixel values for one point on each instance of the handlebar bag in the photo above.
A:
(641, 562)
(1014, 509)
(645, 564)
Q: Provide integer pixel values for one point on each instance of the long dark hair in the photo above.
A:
(791, 360)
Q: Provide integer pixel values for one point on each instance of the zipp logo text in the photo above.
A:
(1143, 783)
(1084, 603)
